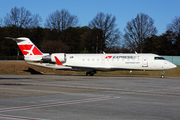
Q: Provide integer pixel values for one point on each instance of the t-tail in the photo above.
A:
(28, 49)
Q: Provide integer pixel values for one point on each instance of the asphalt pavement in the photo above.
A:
(59, 97)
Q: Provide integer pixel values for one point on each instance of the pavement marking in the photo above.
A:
(56, 104)
(50, 104)
(54, 100)
(50, 92)
(177, 90)
(103, 89)
(19, 117)
(33, 90)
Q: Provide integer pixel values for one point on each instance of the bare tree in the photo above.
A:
(137, 30)
(1, 22)
(52, 46)
(174, 36)
(106, 22)
(61, 20)
(21, 18)
(174, 26)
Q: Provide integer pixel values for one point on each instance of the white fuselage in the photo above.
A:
(91, 62)
(117, 62)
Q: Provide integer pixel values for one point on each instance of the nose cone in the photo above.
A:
(173, 66)
(169, 65)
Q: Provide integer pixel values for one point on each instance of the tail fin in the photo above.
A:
(29, 50)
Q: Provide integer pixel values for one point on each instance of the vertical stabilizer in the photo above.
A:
(29, 50)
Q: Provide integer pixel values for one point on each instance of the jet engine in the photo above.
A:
(51, 58)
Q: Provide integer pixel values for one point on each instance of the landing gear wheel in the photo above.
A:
(87, 74)
(90, 74)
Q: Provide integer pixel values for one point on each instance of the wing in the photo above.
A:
(96, 68)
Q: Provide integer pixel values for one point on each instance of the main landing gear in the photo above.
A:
(90, 73)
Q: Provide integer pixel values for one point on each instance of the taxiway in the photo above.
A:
(57, 97)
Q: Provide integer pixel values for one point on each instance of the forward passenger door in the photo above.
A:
(145, 62)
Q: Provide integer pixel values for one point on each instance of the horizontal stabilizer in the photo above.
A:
(17, 39)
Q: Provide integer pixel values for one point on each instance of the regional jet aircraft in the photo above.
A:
(91, 62)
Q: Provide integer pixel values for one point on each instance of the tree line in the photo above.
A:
(61, 33)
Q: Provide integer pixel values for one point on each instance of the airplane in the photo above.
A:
(91, 63)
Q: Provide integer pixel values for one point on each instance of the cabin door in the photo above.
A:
(145, 62)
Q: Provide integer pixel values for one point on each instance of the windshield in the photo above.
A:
(159, 58)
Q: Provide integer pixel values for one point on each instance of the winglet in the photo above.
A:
(58, 61)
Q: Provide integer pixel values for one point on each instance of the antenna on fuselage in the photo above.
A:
(135, 52)
(104, 52)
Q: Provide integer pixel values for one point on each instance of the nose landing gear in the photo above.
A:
(162, 76)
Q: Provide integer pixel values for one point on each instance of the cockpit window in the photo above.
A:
(159, 58)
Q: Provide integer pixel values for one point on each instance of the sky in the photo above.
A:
(161, 11)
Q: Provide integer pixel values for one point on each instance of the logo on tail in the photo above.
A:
(30, 49)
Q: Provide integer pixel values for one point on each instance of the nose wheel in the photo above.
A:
(162, 76)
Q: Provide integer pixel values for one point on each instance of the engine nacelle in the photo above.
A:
(46, 58)
(60, 56)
